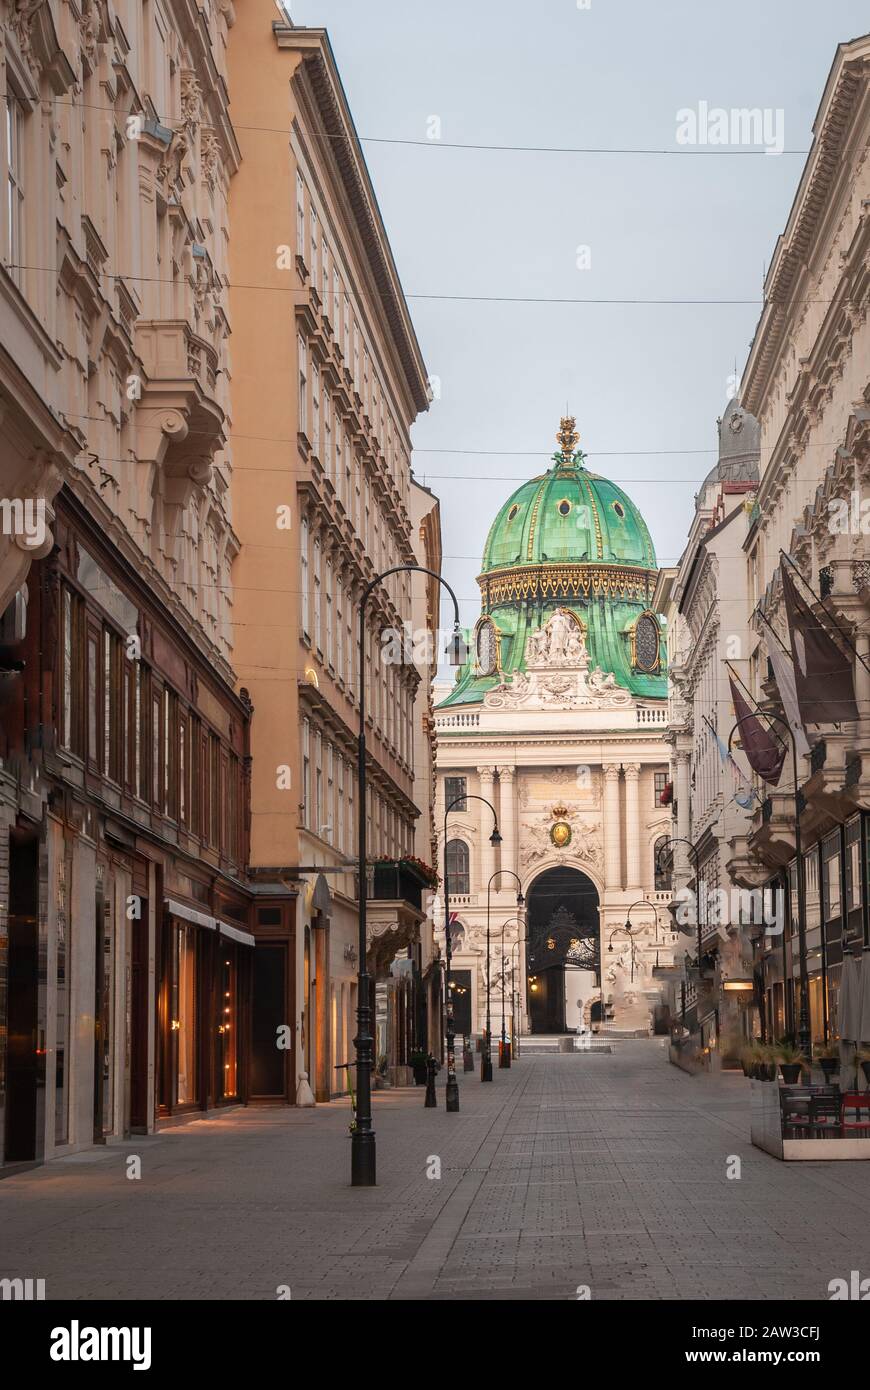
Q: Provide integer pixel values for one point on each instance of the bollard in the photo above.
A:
(504, 1054)
(431, 1101)
(467, 1055)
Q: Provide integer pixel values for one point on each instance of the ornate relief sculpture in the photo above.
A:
(557, 675)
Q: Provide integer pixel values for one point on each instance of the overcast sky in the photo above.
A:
(638, 377)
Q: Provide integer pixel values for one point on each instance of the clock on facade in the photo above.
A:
(487, 648)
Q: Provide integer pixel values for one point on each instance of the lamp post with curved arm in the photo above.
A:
(630, 931)
(505, 1054)
(486, 1059)
(681, 840)
(363, 1152)
(521, 940)
(451, 1099)
(804, 1033)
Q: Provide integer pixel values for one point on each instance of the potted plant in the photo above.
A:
(791, 1062)
(418, 1065)
(748, 1058)
(765, 1067)
(828, 1057)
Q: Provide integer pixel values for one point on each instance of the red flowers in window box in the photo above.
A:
(667, 794)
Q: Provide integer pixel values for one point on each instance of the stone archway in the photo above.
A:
(563, 931)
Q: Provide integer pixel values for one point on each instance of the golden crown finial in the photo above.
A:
(567, 438)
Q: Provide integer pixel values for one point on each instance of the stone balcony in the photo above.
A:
(180, 423)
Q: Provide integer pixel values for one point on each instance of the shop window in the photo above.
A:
(184, 1013)
(73, 674)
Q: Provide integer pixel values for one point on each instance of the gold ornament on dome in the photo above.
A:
(567, 438)
(560, 830)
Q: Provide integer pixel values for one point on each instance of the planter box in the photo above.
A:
(766, 1132)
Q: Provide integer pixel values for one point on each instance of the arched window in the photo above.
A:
(662, 865)
(457, 866)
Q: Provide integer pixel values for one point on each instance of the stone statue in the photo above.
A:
(575, 648)
(537, 645)
(560, 626)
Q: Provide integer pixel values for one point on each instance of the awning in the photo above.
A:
(235, 933)
(188, 914)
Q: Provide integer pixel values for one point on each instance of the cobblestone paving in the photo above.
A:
(584, 1169)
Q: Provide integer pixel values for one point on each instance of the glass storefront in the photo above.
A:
(184, 1012)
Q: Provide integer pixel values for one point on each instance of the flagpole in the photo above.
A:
(769, 624)
(828, 614)
(804, 1034)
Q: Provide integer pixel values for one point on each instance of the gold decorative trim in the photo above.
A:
(632, 636)
(595, 517)
(535, 507)
(564, 581)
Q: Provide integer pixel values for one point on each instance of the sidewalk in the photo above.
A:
(584, 1169)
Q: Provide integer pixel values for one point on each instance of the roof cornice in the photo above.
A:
(341, 141)
(846, 91)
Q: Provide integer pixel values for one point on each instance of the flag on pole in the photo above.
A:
(765, 755)
(744, 794)
(785, 683)
(824, 682)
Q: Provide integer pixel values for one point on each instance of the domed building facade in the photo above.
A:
(555, 728)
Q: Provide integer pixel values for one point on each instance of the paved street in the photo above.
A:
(603, 1170)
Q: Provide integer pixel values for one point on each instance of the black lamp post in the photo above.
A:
(681, 840)
(804, 1033)
(504, 1059)
(451, 1101)
(521, 940)
(630, 931)
(486, 1059)
(363, 1153)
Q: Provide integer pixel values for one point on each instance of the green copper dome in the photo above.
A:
(572, 539)
(568, 514)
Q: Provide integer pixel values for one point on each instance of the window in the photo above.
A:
(306, 773)
(356, 382)
(456, 864)
(73, 674)
(339, 782)
(339, 465)
(303, 385)
(327, 435)
(317, 633)
(112, 705)
(662, 863)
(346, 336)
(313, 266)
(317, 827)
(646, 643)
(305, 579)
(455, 787)
(14, 189)
(831, 876)
(660, 781)
(300, 216)
(853, 863)
(315, 409)
(336, 299)
(324, 271)
(339, 627)
(328, 597)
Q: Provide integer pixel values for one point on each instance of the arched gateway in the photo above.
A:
(563, 957)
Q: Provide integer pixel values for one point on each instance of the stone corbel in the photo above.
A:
(163, 444)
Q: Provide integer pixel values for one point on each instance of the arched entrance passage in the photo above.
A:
(562, 917)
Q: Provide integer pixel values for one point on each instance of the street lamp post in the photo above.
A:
(515, 1012)
(363, 1151)
(804, 1033)
(451, 1100)
(486, 1059)
(504, 1059)
(630, 931)
(681, 840)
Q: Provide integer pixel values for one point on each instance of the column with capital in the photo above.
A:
(487, 851)
(507, 823)
(612, 848)
(632, 826)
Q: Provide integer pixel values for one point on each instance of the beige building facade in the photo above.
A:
(322, 505)
(122, 738)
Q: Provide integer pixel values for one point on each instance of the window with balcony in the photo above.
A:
(662, 864)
